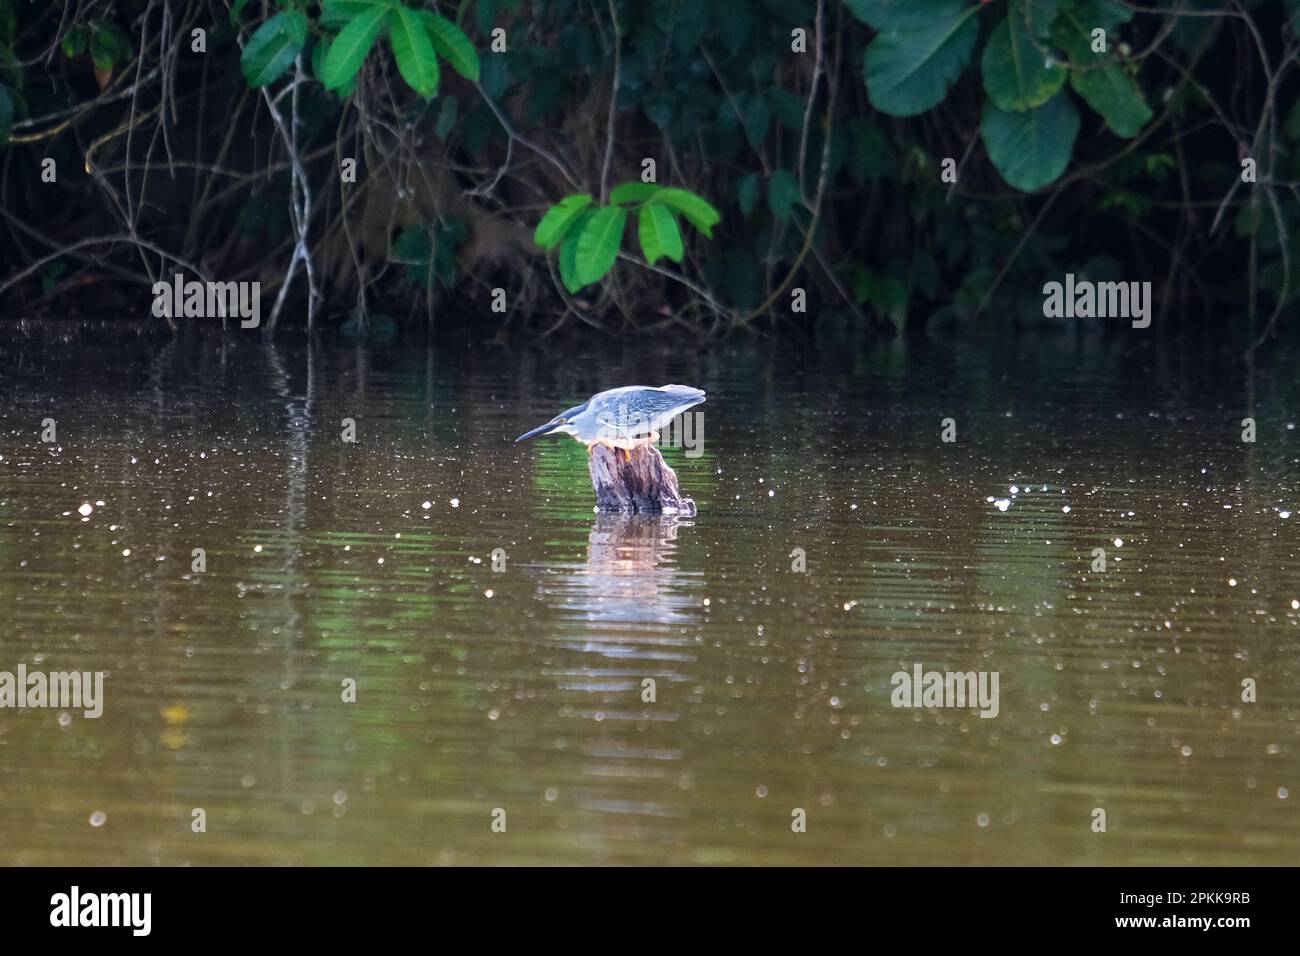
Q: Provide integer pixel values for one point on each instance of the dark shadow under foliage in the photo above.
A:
(191, 137)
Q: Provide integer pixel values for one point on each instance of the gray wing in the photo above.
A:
(650, 408)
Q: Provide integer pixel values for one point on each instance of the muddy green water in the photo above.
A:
(522, 689)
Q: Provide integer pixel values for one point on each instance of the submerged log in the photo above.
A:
(636, 482)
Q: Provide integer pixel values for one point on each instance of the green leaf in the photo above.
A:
(318, 51)
(485, 14)
(1041, 14)
(413, 249)
(446, 117)
(895, 14)
(452, 45)
(599, 243)
(74, 41)
(786, 107)
(448, 236)
(119, 40)
(909, 71)
(559, 218)
(350, 47)
(318, 54)
(886, 294)
(7, 23)
(1114, 94)
(1100, 78)
(690, 24)
(632, 192)
(272, 48)
(1031, 149)
(782, 194)
(6, 114)
(236, 9)
(1017, 74)
(659, 233)
(413, 52)
(104, 51)
(697, 212)
(1106, 14)
(497, 76)
(757, 119)
(747, 193)
(335, 14)
(569, 252)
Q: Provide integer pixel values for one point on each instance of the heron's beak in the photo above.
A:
(540, 430)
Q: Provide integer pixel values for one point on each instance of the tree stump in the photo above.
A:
(636, 482)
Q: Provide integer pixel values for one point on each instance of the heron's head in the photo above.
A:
(561, 424)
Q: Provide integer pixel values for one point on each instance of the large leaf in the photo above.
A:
(349, 49)
(747, 193)
(452, 45)
(782, 194)
(413, 249)
(1031, 149)
(909, 71)
(447, 114)
(599, 243)
(335, 14)
(569, 252)
(1114, 94)
(272, 48)
(1194, 32)
(559, 218)
(413, 52)
(1019, 71)
(74, 41)
(1040, 14)
(1100, 78)
(632, 192)
(1106, 14)
(109, 45)
(318, 54)
(659, 233)
(698, 212)
(756, 119)
(103, 51)
(896, 14)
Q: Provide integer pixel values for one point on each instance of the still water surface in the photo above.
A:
(522, 689)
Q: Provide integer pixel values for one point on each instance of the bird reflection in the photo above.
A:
(631, 575)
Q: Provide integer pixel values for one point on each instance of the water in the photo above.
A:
(521, 690)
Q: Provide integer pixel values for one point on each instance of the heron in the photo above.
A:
(624, 418)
